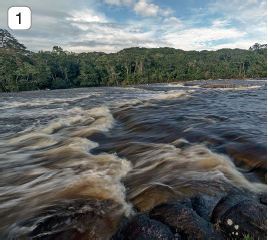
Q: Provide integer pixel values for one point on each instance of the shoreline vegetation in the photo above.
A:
(23, 70)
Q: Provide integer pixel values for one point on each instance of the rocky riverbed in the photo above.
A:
(238, 214)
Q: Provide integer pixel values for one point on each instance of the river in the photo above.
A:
(75, 162)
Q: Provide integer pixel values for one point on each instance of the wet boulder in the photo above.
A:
(263, 198)
(247, 217)
(186, 202)
(204, 204)
(142, 227)
(184, 221)
(225, 204)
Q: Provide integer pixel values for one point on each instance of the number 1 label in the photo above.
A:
(19, 18)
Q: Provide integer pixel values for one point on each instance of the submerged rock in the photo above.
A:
(184, 221)
(142, 227)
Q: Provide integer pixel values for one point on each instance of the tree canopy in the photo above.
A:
(23, 70)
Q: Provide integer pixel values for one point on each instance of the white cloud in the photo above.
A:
(261, 28)
(166, 12)
(172, 20)
(81, 26)
(145, 9)
(250, 11)
(200, 38)
(248, 16)
(220, 23)
(86, 16)
(112, 37)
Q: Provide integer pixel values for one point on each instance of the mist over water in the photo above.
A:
(78, 161)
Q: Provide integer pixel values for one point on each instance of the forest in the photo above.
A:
(24, 70)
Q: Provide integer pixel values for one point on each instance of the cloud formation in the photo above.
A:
(200, 38)
(145, 9)
(111, 25)
(172, 19)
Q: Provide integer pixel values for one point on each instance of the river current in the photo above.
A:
(76, 162)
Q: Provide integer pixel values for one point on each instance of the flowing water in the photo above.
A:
(75, 162)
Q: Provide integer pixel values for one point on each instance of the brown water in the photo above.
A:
(75, 162)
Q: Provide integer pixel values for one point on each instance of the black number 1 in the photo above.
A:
(19, 18)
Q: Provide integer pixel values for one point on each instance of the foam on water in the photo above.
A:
(183, 171)
(52, 167)
(43, 102)
(171, 94)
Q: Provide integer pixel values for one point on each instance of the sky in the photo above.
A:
(112, 25)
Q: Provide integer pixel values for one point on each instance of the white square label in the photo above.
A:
(19, 18)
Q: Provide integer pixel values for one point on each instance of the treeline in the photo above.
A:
(23, 70)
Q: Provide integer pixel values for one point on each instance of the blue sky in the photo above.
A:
(111, 25)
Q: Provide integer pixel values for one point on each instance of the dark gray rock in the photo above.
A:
(204, 204)
(263, 198)
(186, 202)
(246, 217)
(184, 221)
(142, 227)
(225, 204)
